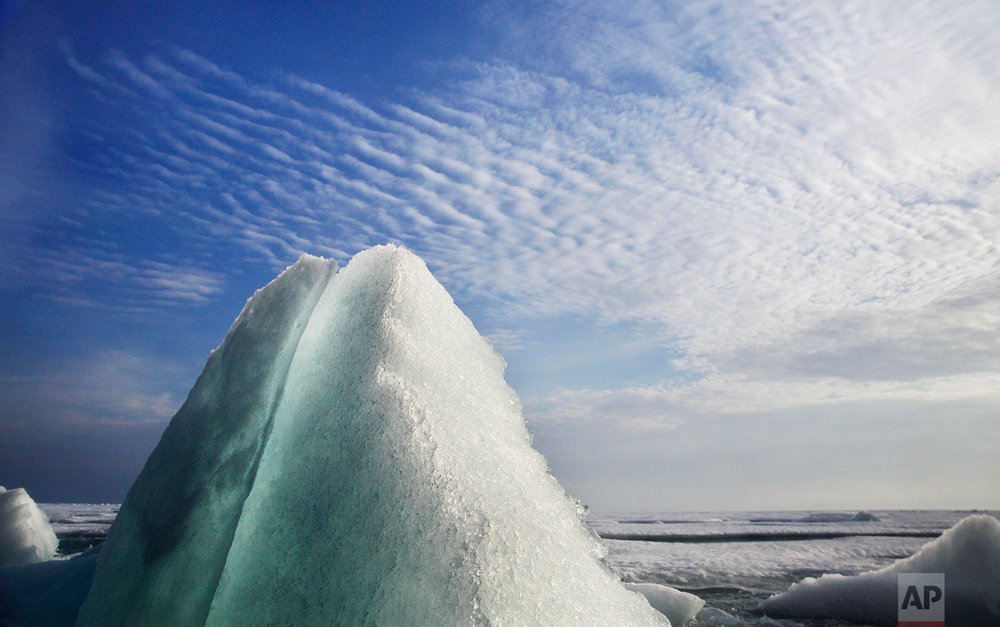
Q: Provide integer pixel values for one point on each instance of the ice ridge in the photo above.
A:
(176, 524)
(352, 455)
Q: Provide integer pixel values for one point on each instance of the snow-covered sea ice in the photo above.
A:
(968, 554)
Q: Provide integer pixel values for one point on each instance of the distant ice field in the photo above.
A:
(80, 525)
(705, 552)
(760, 551)
(700, 552)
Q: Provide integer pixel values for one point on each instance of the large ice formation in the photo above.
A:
(968, 554)
(25, 533)
(351, 454)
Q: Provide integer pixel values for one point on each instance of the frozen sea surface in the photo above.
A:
(706, 553)
(736, 560)
(80, 525)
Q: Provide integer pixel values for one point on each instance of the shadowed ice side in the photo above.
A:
(351, 454)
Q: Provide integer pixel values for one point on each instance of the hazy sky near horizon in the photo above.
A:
(736, 255)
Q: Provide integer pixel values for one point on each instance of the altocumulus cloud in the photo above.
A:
(799, 197)
(816, 181)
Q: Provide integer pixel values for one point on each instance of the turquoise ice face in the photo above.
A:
(351, 454)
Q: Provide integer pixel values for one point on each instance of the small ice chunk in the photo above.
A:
(25, 534)
(865, 517)
(714, 617)
(968, 554)
(831, 517)
(679, 607)
(826, 517)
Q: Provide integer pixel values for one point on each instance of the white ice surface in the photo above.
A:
(768, 566)
(351, 454)
(80, 518)
(762, 566)
(25, 534)
(968, 554)
(773, 525)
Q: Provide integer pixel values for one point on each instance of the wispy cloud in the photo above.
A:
(126, 283)
(111, 387)
(669, 406)
(785, 192)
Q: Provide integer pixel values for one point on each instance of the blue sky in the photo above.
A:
(736, 255)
